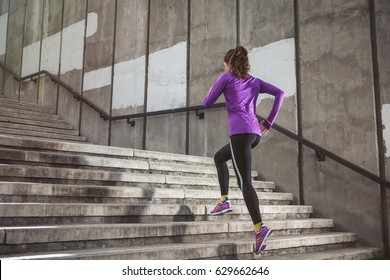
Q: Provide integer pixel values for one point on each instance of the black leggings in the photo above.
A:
(240, 146)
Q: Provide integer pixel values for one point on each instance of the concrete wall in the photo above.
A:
(131, 56)
(4, 5)
(338, 113)
(382, 12)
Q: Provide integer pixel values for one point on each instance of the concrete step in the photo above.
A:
(34, 122)
(20, 116)
(227, 249)
(11, 172)
(25, 106)
(25, 113)
(82, 148)
(37, 128)
(68, 237)
(52, 193)
(61, 146)
(15, 214)
(67, 159)
(43, 135)
(354, 253)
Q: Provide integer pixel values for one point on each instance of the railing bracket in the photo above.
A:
(320, 156)
(131, 123)
(200, 115)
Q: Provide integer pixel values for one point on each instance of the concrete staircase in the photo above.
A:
(61, 198)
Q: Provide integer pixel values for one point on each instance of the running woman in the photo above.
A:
(241, 91)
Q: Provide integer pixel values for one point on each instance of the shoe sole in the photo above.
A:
(222, 212)
(263, 245)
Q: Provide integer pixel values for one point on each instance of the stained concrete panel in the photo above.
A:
(267, 31)
(3, 39)
(31, 49)
(213, 32)
(129, 71)
(98, 69)
(338, 112)
(72, 53)
(382, 14)
(14, 49)
(50, 51)
(167, 75)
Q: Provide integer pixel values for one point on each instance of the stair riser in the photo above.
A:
(31, 121)
(42, 135)
(146, 241)
(37, 128)
(125, 184)
(227, 251)
(111, 200)
(140, 219)
(306, 249)
(21, 111)
(118, 165)
(52, 120)
(26, 107)
(99, 177)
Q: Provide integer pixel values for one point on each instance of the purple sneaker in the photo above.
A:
(222, 208)
(261, 238)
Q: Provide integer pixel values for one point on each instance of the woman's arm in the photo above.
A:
(215, 91)
(279, 96)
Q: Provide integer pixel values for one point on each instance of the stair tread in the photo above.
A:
(24, 105)
(62, 233)
(28, 171)
(31, 189)
(38, 128)
(333, 254)
(42, 135)
(241, 246)
(106, 161)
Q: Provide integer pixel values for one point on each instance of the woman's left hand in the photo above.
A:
(263, 129)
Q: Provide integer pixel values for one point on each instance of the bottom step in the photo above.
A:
(357, 253)
(228, 249)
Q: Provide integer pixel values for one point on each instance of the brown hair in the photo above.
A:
(238, 61)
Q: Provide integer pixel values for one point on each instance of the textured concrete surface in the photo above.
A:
(338, 113)
(4, 5)
(129, 80)
(382, 13)
(195, 251)
(14, 47)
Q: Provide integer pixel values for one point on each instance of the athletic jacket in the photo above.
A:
(241, 96)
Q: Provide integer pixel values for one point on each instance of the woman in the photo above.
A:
(241, 91)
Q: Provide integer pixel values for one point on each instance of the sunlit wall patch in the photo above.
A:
(167, 78)
(275, 63)
(3, 33)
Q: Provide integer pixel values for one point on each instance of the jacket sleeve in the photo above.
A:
(279, 96)
(215, 91)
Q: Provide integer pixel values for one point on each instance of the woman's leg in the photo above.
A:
(241, 145)
(220, 159)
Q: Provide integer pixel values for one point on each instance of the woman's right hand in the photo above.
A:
(263, 129)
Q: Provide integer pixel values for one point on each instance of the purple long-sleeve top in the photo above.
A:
(241, 96)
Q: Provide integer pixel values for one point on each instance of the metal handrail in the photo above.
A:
(130, 119)
(76, 94)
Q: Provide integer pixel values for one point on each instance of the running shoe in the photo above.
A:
(222, 208)
(261, 238)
